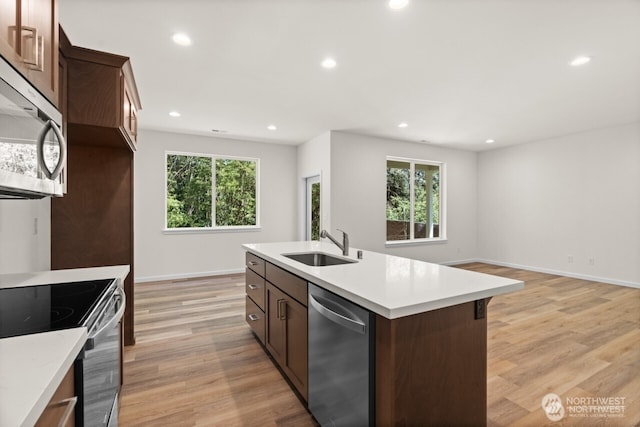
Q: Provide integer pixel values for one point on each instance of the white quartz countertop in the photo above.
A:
(32, 366)
(15, 280)
(388, 285)
(31, 369)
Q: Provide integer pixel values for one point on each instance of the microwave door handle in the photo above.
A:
(51, 125)
(113, 322)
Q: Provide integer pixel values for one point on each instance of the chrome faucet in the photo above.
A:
(344, 246)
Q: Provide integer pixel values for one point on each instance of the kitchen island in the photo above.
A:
(430, 328)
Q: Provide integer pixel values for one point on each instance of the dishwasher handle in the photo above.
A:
(354, 325)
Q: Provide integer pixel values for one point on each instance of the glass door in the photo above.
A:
(313, 208)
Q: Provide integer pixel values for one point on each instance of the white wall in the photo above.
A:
(22, 247)
(314, 158)
(358, 195)
(160, 255)
(576, 196)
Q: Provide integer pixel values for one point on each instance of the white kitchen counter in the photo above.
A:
(15, 280)
(32, 366)
(388, 285)
(31, 369)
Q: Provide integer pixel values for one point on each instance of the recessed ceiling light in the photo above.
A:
(174, 114)
(490, 141)
(329, 63)
(580, 60)
(272, 127)
(181, 39)
(398, 4)
(403, 125)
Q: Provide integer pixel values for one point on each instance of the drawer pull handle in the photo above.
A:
(70, 404)
(253, 263)
(252, 286)
(253, 317)
(282, 309)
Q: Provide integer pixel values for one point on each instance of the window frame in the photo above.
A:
(213, 228)
(442, 224)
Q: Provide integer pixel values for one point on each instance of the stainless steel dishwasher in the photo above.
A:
(341, 360)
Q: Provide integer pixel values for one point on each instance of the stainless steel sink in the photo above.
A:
(318, 259)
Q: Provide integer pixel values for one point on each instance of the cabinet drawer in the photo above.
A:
(255, 263)
(255, 318)
(61, 407)
(287, 282)
(255, 288)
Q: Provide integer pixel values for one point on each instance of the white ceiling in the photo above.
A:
(457, 71)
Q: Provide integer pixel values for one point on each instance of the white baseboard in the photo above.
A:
(187, 275)
(461, 261)
(550, 271)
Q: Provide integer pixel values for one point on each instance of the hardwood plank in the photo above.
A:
(196, 363)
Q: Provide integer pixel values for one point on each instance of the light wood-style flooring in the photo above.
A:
(196, 362)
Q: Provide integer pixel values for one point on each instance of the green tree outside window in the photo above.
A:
(192, 182)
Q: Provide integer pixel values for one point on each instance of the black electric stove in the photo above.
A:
(43, 308)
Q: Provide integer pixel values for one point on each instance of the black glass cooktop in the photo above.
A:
(33, 309)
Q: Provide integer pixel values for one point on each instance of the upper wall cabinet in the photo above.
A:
(102, 96)
(29, 42)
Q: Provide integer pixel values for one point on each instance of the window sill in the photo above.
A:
(208, 230)
(415, 242)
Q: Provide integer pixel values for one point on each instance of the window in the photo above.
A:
(415, 200)
(210, 192)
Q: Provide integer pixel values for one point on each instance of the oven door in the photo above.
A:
(98, 368)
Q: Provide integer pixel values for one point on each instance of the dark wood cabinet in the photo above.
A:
(296, 364)
(280, 298)
(256, 264)
(256, 290)
(60, 410)
(92, 226)
(129, 109)
(29, 41)
(9, 24)
(103, 97)
(276, 337)
(255, 317)
(291, 284)
(437, 358)
(286, 337)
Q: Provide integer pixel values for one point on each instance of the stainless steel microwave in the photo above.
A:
(33, 151)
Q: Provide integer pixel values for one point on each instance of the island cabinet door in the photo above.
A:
(286, 337)
(276, 339)
(296, 365)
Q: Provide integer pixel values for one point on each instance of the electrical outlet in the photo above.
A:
(592, 261)
(481, 309)
(570, 259)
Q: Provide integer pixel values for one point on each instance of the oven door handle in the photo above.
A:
(122, 298)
